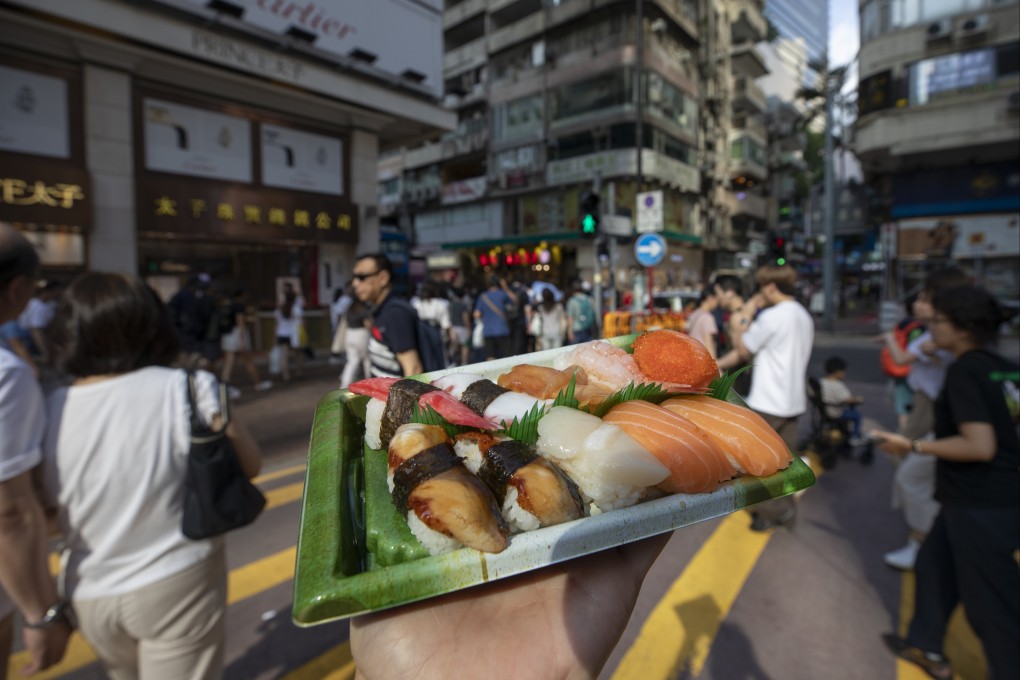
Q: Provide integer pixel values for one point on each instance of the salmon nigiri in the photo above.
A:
(757, 448)
(695, 462)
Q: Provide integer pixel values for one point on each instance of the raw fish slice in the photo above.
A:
(757, 448)
(456, 383)
(510, 405)
(696, 464)
(621, 458)
(541, 382)
(562, 431)
(445, 404)
(604, 363)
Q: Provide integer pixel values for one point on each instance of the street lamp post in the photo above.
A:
(829, 262)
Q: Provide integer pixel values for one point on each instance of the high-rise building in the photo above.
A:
(804, 19)
(938, 134)
(555, 99)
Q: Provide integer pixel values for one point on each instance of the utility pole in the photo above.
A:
(639, 57)
(829, 263)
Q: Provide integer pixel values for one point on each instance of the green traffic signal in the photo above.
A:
(588, 224)
(781, 261)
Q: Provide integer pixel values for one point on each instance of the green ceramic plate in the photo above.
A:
(355, 557)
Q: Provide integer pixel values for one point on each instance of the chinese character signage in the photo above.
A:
(34, 113)
(190, 141)
(45, 193)
(168, 203)
(292, 159)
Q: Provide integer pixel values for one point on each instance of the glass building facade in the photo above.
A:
(807, 19)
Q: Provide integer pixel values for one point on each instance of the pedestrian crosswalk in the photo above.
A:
(674, 641)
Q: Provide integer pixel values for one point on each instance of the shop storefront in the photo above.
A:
(44, 187)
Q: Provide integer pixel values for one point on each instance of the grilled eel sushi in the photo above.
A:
(532, 491)
(447, 506)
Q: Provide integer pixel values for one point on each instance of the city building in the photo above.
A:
(803, 20)
(938, 135)
(552, 99)
(233, 138)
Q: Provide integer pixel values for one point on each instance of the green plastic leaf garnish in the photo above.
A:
(525, 429)
(566, 396)
(651, 392)
(426, 415)
(721, 386)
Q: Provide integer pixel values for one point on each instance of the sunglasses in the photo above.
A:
(362, 277)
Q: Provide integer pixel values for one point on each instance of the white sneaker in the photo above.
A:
(233, 393)
(905, 557)
(264, 385)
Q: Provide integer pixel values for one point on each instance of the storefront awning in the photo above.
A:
(519, 239)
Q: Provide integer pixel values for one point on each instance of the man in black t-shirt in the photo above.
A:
(393, 341)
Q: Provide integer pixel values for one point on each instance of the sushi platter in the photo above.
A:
(356, 553)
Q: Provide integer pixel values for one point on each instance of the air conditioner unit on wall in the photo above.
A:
(939, 30)
(973, 27)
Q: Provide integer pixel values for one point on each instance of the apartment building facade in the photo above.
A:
(552, 97)
(938, 134)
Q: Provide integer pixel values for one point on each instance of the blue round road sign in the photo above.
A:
(649, 249)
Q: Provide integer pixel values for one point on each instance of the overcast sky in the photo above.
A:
(843, 34)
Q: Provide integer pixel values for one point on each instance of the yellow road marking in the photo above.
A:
(284, 494)
(336, 664)
(242, 583)
(690, 613)
(276, 474)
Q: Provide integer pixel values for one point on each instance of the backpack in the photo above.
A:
(904, 333)
(431, 350)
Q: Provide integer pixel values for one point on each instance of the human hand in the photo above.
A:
(45, 646)
(559, 622)
(890, 442)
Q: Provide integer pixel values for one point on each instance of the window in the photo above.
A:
(603, 92)
(665, 100)
(517, 118)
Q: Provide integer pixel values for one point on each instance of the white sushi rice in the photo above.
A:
(373, 422)
(469, 453)
(517, 517)
(435, 542)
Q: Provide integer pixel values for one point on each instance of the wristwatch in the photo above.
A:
(58, 612)
(915, 446)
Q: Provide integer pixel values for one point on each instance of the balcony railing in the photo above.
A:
(747, 96)
(746, 61)
(464, 57)
(748, 22)
(464, 10)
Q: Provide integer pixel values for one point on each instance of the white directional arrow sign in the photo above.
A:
(649, 249)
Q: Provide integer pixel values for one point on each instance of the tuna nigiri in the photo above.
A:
(695, 462)
(447, 506)
(396, 400)
(757, 448)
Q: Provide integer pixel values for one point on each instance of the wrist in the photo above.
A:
(916, 446)
(58, 613)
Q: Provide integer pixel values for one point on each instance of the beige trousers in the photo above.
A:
(173, 629)
(779, 508)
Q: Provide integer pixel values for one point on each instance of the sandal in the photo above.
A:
(935, 665)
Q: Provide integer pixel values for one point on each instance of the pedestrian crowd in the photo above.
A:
(99, 457)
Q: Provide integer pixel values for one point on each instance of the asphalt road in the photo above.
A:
(721, 602)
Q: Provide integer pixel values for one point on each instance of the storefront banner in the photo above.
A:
(34, 113)
(44, 191)
(960, 237)
(292, 159)
(623, 162)
(196, 142)
(994, 187)
(398, 37)
(463, 191)
(166, 203)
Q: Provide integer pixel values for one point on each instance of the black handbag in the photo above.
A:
(217, 495)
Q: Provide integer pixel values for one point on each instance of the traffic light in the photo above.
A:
(590, 215)
(779, 249)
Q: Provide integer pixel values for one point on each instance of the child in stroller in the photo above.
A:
(835, 420)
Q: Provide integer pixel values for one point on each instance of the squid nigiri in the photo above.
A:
(488, 399)
(396, 400)
(757, 448)
(695, 462)
(447, 506)
(533, 491)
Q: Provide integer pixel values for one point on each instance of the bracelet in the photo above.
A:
(915, 445)
(57, 612)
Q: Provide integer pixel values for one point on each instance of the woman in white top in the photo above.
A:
(149, 601)
(553, 322)
(434, 308)
(289, 317)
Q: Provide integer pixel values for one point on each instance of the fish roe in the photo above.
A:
(671, 356)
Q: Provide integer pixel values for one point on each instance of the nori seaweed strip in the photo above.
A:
(480, 394)
(501, 461)
(419, 468)
(403, 396)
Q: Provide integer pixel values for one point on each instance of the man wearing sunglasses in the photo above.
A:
(393, 341)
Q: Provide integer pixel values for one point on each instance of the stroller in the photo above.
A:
(830, 437)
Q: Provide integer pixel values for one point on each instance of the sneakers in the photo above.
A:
(905, 557)
(264, 385)
(233, 392)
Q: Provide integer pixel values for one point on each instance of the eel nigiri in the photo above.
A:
(447, 506)
(532, 491)
(757, 448)
(611, 469)
(696, 464)
(488, 399)
(399, 397)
